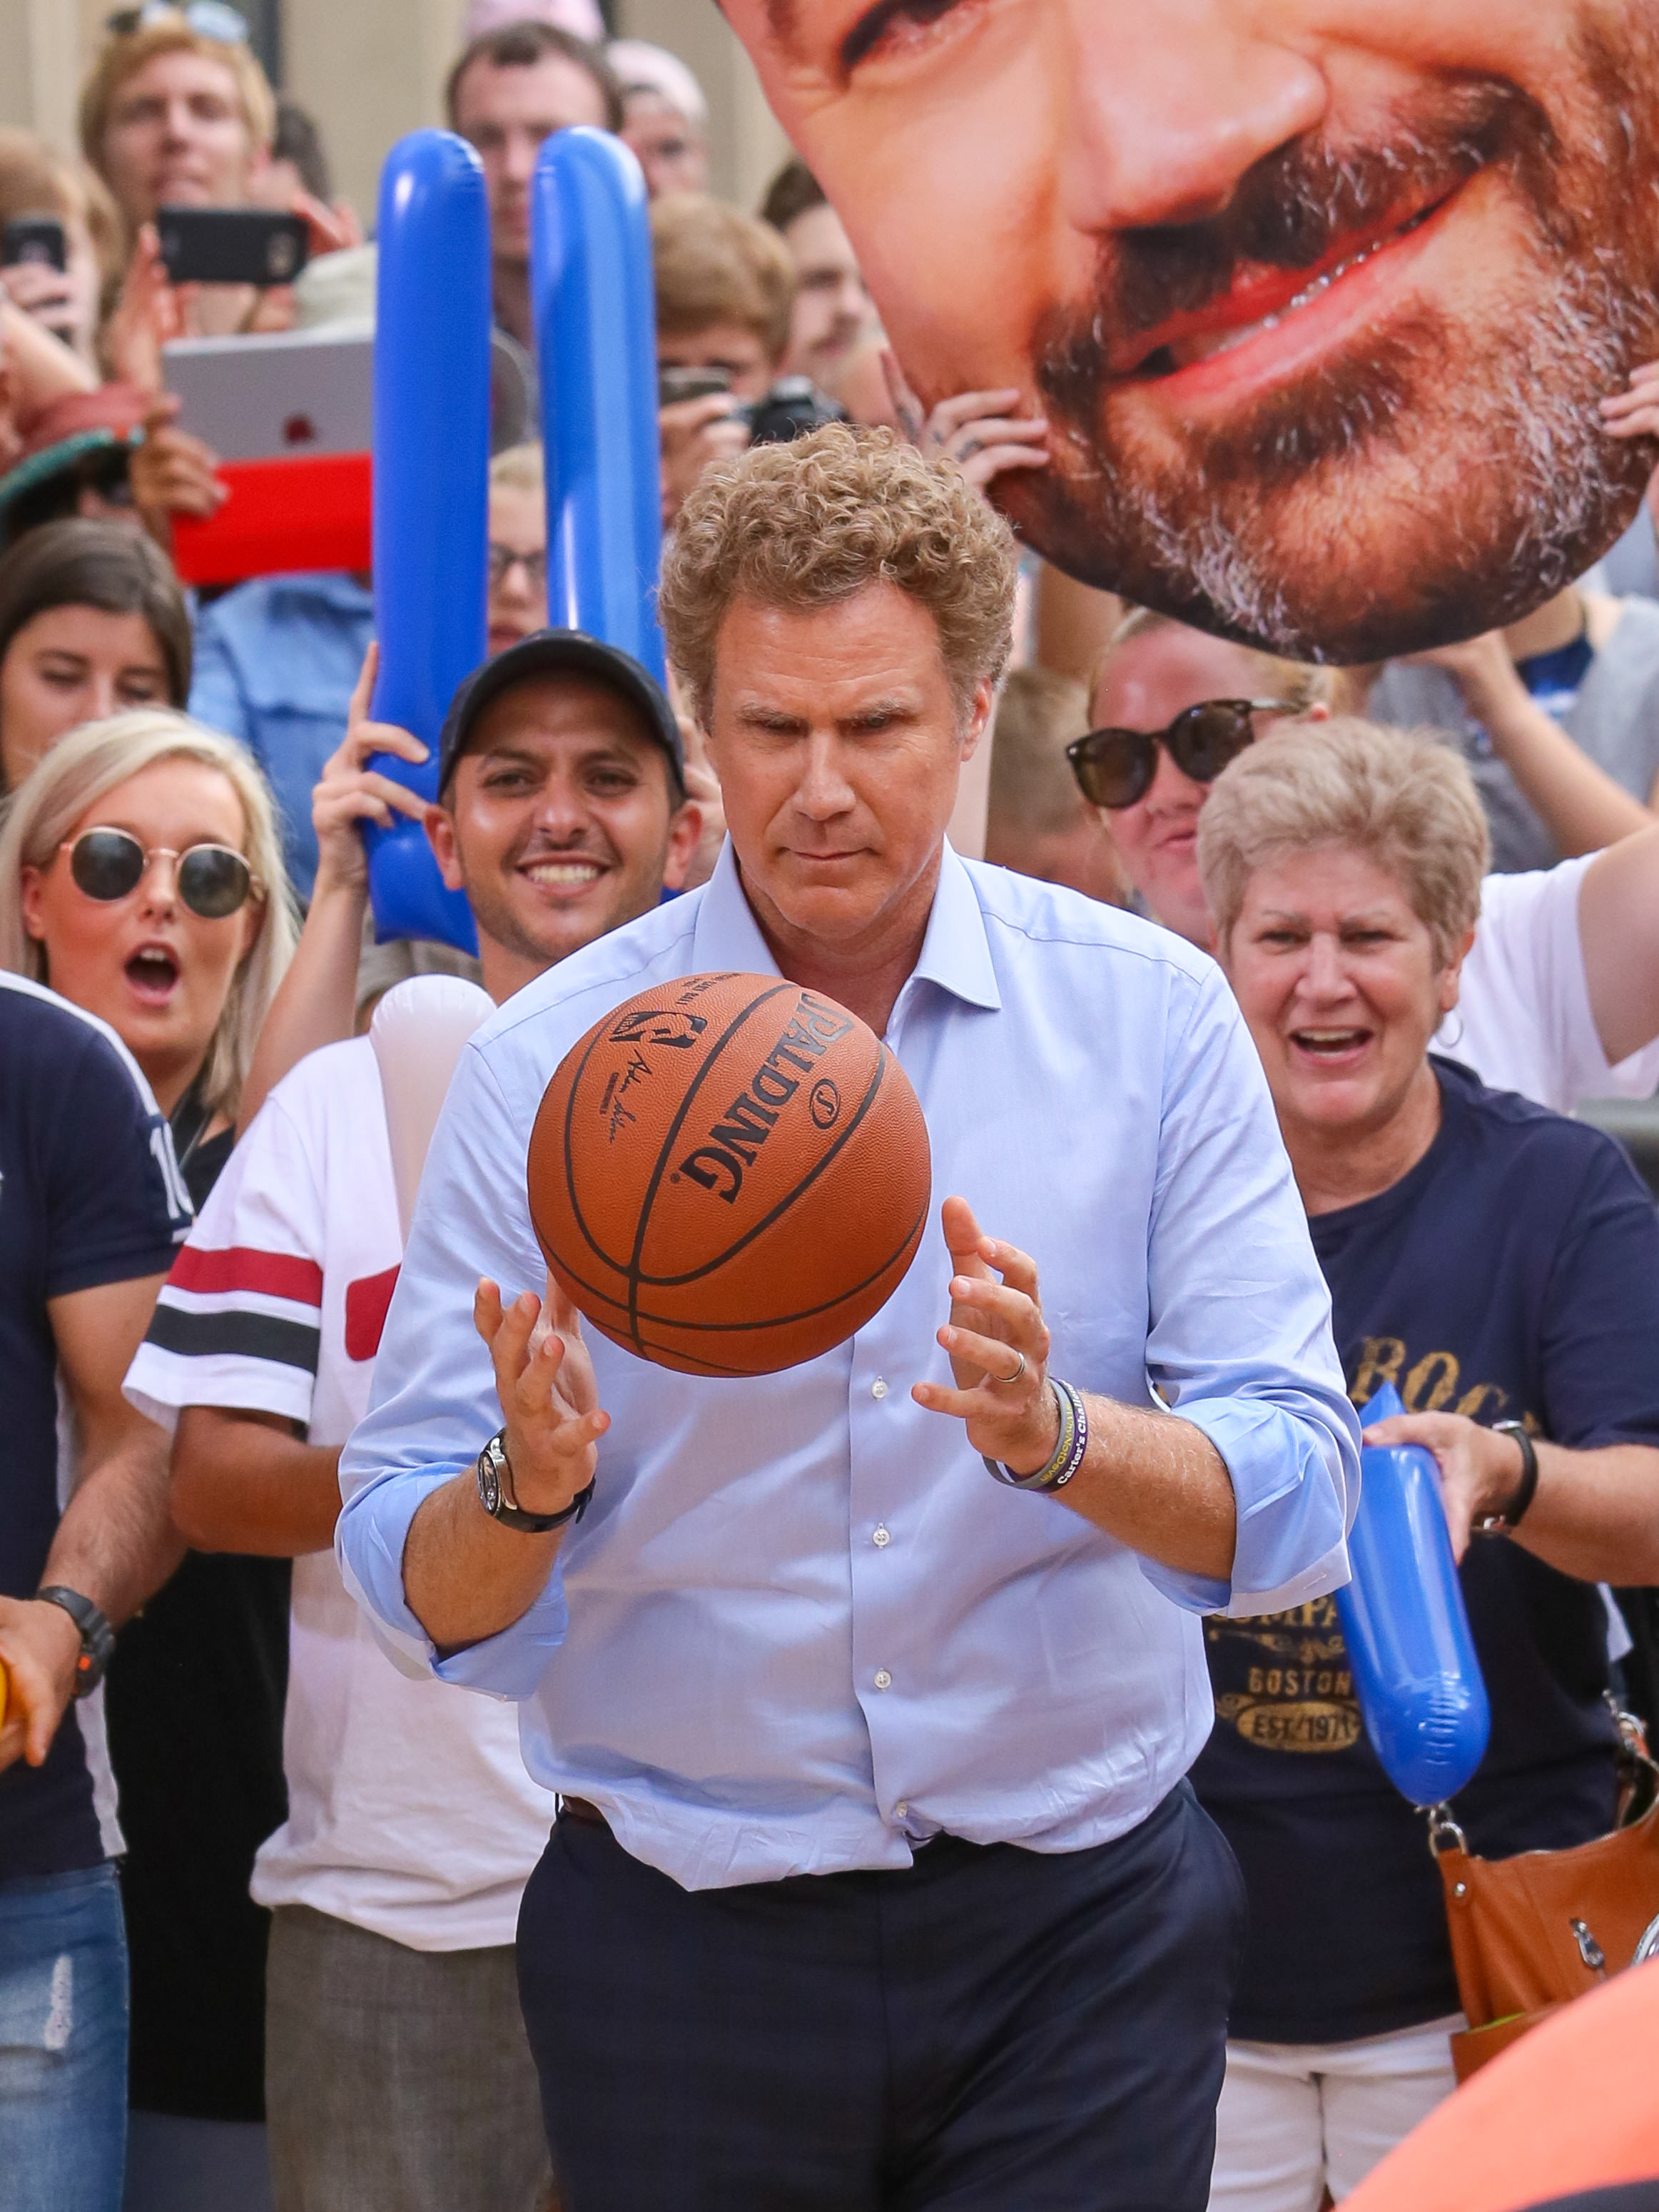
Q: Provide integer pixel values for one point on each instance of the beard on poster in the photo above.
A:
(1319, 297)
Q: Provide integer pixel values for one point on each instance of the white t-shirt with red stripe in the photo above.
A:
(410, 1810)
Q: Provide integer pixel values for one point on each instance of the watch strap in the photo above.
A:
(495, 1494)
(97, 1636)
(1499, 1524)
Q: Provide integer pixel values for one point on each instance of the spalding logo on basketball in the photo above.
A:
(729, 1174)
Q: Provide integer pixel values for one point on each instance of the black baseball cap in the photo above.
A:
(559, 652)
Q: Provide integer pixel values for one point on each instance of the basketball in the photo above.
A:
(729, 1174)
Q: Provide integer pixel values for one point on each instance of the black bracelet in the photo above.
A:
(1069, 1447)
(97, 1636)
(1500, 1523)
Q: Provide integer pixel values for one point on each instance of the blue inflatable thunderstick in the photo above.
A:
(1415, 1672)
(591, 289)
(431, 494)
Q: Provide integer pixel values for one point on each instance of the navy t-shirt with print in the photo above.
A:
(1513, 1273)
(89, 1195)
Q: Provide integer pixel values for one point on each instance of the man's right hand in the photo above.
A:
(549, 1395)
(695, 433)
(40, 1646)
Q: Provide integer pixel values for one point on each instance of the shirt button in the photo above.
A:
(900, 1809)
(884, 1680)
(882, 1538)
(878, 1388)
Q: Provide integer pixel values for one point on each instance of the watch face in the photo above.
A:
(490, 1483)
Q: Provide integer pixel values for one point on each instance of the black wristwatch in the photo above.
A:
(495, 1494)
(1499, 1524)
(97, 1636)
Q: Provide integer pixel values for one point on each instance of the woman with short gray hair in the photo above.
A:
(1499, 1265)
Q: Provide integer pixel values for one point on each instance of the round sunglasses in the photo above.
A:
(213, 880)
(1115, 768)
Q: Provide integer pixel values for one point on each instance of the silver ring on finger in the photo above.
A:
(1005, 1381)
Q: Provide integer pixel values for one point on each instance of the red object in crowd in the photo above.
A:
(1572, 2107)
(310, 512)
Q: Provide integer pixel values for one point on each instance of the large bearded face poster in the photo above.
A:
(1319, 296)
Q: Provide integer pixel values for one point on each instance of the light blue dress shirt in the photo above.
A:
(800, 1629)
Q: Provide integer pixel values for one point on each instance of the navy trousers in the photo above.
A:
(990, 2030)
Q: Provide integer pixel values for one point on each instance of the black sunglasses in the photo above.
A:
(1115, 767)
(213, 880)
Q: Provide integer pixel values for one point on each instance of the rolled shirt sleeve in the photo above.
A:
(1245, 1352)
(434, 1405)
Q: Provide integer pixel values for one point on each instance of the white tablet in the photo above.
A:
(280, 392)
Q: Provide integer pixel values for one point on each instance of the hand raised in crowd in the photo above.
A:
(172, 472)
(149, 312)
(549, 1397)
(40, 1651)
(695, 433)
(998, 1342)
(975, 430)
(1635, 413)
(349, 792)
(1482, 668)
(328, 230)
(44, 292)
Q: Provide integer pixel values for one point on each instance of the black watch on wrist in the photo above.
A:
(97, 1636)
(495, 1494)
(1500, 1523)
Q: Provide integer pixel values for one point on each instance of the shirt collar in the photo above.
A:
(955, 952)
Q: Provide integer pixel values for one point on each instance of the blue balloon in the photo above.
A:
(1415, 1672)
(431, 494)
(595, 314)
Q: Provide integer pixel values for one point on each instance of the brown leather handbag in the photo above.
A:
(1528, 1934)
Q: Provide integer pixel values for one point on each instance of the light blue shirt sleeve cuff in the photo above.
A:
(1293, 1475)
(369, 1542)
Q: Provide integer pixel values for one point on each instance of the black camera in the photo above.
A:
(793, 406)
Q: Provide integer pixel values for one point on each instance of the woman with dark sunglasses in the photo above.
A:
(1560, 997)
(141, 877)
(1169, 707)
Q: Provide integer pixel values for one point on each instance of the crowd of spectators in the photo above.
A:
(321, 1860)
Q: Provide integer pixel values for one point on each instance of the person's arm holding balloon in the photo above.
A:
(1618, 932)
(1592, 1514)
(317, 1004)
(1578, 802)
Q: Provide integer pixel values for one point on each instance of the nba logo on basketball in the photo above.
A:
(729, 1239)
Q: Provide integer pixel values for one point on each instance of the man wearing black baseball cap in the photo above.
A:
(561, 805)
(395, 1883)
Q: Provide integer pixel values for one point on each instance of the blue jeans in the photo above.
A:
(62, 2043)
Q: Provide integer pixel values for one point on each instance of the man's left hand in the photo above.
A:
(40, 1646)
(1479, 1470)
(998, 1347)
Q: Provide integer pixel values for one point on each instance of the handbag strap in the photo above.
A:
(1638, 1772)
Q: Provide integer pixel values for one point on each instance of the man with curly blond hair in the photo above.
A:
(869, 1689)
